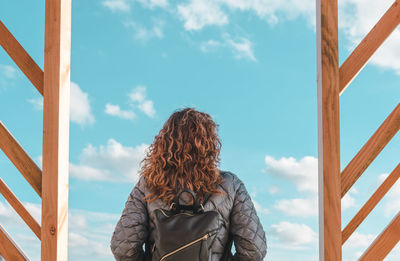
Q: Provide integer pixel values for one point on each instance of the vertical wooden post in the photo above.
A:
(328, 132)
(56, 130)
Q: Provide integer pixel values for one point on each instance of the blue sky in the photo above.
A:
(250, 64)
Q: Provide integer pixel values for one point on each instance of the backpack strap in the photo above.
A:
(228, 248)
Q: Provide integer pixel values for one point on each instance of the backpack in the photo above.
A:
(185, 232)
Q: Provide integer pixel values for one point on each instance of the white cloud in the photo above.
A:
(308, 207)
(148, 108)
(298, 207)
(358, 240)
(260, 209)
(138, 98)
(210, 46)
(138, 94)
(89, 232)
(5, 211)
(273, 190)
(144, 34)
(199, 13)
(292, 234)
(80, 111)
(348, 201)
(391, 200)
(153, 3)
(8, 71)
(37, 103)
(115, 110)
(111, 162)
(274, 10)
(303, 173)
(35, 210)
(242, 48)
(357, 17)
(8, 74)
(124, 6)
(117, 5)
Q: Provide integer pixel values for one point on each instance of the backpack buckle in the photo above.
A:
(172, 206)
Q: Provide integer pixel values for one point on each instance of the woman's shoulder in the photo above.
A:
(231, 181)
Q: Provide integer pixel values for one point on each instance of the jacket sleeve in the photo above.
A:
(246, 229)
(131, 230)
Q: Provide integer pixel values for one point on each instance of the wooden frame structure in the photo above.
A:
(333, 183)
(50, 183)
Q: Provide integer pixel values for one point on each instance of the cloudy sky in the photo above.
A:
(251, 64)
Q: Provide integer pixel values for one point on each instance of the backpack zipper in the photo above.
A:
(185, 246)
(183, 213)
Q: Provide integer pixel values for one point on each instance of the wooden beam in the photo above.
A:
(9, 249)
(370, 150)
(10, 146)
(21, 58)
(371, 203)
(56, 130)
(19, 208)
(368, 46)
(330, 236)
(384, 243)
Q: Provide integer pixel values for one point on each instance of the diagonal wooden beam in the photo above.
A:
(19, 208)
(384, 243)
(368, 46)
(370, 150)
(371, 203)
(20, 159)
(21, 57)
(9, 249)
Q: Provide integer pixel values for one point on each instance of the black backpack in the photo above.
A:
(185, 232)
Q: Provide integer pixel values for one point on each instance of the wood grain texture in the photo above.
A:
(384, 243)
(56, 130)
(21, 160)
(368, 46)
(370, 150)
(330, 236)
(9, 249)
(371, 203)
(21, 58)
(19, 208)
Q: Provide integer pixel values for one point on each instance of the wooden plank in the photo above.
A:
(9, 249)
(384, 243)
(368, 46)
(56, 130)
(370, 150)
(19, 208)
(330, 236)
(21, 58)
(371, 203)
(10, 146)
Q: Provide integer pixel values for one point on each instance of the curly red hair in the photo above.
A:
(185, 153)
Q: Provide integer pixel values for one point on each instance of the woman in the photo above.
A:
(185, 155)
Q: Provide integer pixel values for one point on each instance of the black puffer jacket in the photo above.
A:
(237, 214)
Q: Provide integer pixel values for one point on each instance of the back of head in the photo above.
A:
(185, 153)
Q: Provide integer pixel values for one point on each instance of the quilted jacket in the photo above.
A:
(237, 213)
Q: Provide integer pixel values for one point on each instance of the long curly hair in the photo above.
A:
(184, 154)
